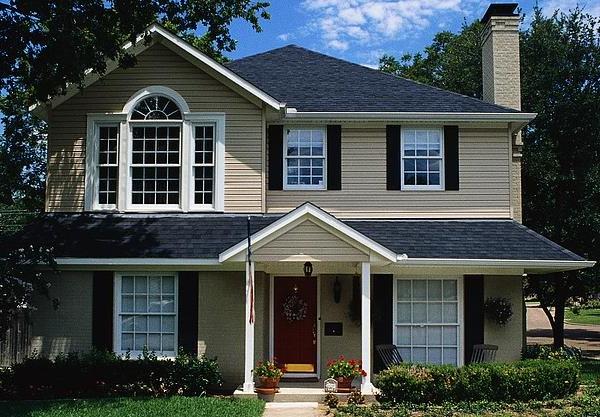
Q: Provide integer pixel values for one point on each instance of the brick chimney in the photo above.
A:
(500, 55)
(502, 80)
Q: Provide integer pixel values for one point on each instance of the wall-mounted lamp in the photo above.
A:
(308, 269)
(337, 291)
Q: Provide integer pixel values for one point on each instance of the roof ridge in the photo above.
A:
(291, 45)
(376, 71)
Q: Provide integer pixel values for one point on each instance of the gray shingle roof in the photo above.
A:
(206, 236)
(313, 82)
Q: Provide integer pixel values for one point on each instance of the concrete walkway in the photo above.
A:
(585, 337)
(310, 409)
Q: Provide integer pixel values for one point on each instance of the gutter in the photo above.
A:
(519, 119)
(557, 265)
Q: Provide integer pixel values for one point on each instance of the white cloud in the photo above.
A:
(550, 6)
(284, 37)
(343, 23)
(337, 44)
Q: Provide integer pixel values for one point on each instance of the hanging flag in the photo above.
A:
(251, 276)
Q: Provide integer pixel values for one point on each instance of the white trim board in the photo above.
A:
(308, 211)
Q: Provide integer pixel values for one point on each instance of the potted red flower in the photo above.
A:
(269, 374)
(344, 371)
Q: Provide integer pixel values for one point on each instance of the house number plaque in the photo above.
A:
(330, 385)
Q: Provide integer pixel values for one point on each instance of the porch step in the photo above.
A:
(299, 395)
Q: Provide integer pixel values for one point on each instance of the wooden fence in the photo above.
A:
(15, 346)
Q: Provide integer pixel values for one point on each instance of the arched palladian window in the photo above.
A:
(156, 108)
(155, 155)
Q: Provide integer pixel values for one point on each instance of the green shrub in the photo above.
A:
(550, 352)
(520, 381)
(102, 374)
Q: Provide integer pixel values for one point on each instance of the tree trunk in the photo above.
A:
(558, 329)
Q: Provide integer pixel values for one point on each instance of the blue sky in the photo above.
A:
(362, 30)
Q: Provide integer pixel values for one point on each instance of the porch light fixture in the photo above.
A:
(308, 269)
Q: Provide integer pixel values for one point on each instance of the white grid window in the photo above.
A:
(422, 158)
(426, 322)
(108, 166)
(156, 165)
(305, 159)
(147, 313)
(204, 164)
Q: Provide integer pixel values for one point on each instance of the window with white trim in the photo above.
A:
(155, 165)
(204, 164)
(108, 164)
(146, 313)
(422, 158)
(304, 156)
(155, 155)
(426, 320)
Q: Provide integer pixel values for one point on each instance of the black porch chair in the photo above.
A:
(484, 353)
(389, 355)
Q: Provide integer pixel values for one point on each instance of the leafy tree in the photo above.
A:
(560, 76)
(451, 62)
(48, 45)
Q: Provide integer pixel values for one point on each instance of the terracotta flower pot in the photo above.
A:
(267, 382)
(344, 384)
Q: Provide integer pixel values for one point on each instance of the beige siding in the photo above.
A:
(308, 241)
(156, 66)
(484, 180)
(221, 320)
(509, 338)
(69, 327)
(349, 344)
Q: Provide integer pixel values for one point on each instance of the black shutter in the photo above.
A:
(275, 157)
(187, 322)
(334, 157)
(102, 310)
(393, 152)
(451, 157)
(473, 296)
(381, 314)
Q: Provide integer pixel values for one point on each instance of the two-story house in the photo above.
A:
(378, 210)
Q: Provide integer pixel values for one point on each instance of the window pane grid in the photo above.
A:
(204, 140)
(426, 321)
(305, 157)
(143, 327)
(108, 149)
(156, 165)
(422, 157)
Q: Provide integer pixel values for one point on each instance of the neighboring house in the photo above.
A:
(403, 199)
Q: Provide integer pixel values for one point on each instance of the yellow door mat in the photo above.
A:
(300, 367)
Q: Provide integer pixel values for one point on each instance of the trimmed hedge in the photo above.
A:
(104, 374)
(550, 352)
(520, 381)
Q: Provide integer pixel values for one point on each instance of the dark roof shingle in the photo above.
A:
(313, 82)
(206, 236)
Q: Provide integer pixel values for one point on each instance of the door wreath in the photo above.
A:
(294, 308)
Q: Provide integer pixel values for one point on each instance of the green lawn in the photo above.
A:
(585, 316)
(131, 407)
(590, 371)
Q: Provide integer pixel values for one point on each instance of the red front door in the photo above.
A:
(295, 323)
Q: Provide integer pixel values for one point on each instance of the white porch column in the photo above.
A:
(365, 329)
(249, 339)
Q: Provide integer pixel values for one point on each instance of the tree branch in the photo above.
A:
(546, 311)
